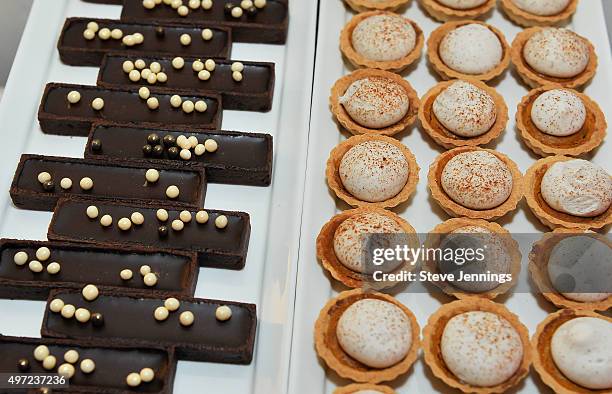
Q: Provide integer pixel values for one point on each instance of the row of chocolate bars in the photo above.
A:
(128, 232)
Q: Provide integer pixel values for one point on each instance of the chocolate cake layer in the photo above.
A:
(76, 50)
(207, 339)
(216, 247)
(58, 116)
(241, 158)
(265, 25)
(82, 264)
(253, 93)
(113, 362)
(111, 181)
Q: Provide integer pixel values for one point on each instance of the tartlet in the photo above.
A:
(527, 19)
(455, 209)
(543, 361)
(360, 61)
(539, 258)
(435, 237)
(589, 137)
(535, 79)
(335, 182)
(446, 72)
(369, 5)
(432, 338)
(445, 13)
(446, 138)
(544, 212)
(355, 388)
(345, 119)
(329, 349)
(350, 278)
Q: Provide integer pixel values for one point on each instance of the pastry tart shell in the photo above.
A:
(526, 19)
(443, 13)
(369, 5)
(353, 388)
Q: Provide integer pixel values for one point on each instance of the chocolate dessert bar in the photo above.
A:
(245, 86)
(40, 181)
(72, 266)
(240, 158)
(67, 109)
(101, 366)
(264, 22)
(83, 43)
(199, 329)
(220, 238)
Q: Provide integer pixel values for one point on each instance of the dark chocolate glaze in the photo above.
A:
(75, 50)
(242, 158)
(208, 339)
(221, 248)
(58, 116)
(113, 363)
(268, 25)
(116, 181)
(84, 264)
(253, 93)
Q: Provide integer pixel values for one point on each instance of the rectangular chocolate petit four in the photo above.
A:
(85, 41)
(198, 329)
(99, 367)
(67, 109)
(231, 157)
(245, 86)
(40, 181)
(220, 238)
(31, 269)
(266, 21)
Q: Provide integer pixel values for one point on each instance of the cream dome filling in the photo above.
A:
(556, 52)
(384, 38)
(471, 49)
(559, 113)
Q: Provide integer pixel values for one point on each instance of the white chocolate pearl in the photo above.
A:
(147, 375)
(183, 10)
(153, 103)
(221, 221)
(134, 75)
(194, 4)
(211, 145)
(207, 34)
(137, 218)
(150, 279)
(43, 253)
(177, 225)
(183, 142)
(207, 4)
(145, 73)
(197, 66)
(152, 78)
(162, 215)
(138, 38)
(237, 66)
(66, 370)
(133, 379)
(126, 274)
(186, 318)
(129, 40)
(67, 311)
(237, 76)
(172, 304)
(56, 305)
(89, 34)
(86, 183)
(106, 220)
(144, 92)
(188, 106)
(41, 352)
(104, 34)
(145, 269)
(176, 101)
(161, 313)
(35, 266)
(237, 12)
(185, 216)
(54, 268)
(74, 97)
(92, 212)
(140, 64)
(259, 3)
(148, 4)
(93, 26)
(178, 63)
(88, 366)
(193, 141)
(49, 362)
(20, 258)
(201, 106)
(199, 149)
(223, 313)
(246, 4)
(44, 177)
(162, 77)
(172, 191)
(185, 39)
(204, 75)
(116, 34)
(90, 292)
(185, 154)
(71, 356)
(66, 183)
(82, 315)
(124, 224)
(176, 3)
(210, 65)
(97, 104)
(202, 217)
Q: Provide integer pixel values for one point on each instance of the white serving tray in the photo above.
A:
(308, 374)
(269, 277)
